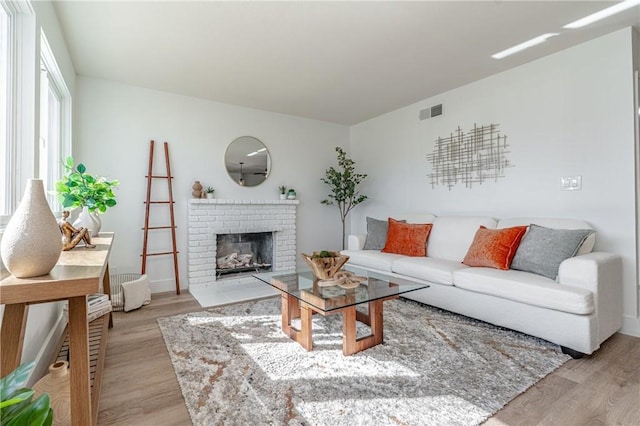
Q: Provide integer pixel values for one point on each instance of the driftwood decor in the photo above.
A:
(469, 157)
(325, 264)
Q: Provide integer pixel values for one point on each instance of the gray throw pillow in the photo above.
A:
(376, 233)
(542, 250)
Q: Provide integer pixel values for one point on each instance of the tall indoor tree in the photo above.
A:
(343, 185)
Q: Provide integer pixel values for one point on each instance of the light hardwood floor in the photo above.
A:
(139, 385)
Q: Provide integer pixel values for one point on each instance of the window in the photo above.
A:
(28, 147)
(5, 33)
(55, 122)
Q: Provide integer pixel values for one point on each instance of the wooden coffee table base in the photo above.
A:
(293, 308)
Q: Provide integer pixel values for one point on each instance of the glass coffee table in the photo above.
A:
(302, 297)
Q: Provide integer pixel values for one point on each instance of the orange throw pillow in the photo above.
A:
(494, 248)
(409, 239)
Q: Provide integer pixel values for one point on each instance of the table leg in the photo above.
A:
(14, 322)
(79, 362)
(304, 337)
(350, 342)
(292, 309)
(106, 288)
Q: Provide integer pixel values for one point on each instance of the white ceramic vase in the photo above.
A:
(96, 217)
(87, 220)
(32, 241)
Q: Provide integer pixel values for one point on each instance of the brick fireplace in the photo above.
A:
(210, 218)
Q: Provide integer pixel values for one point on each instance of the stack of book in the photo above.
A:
(98, 304)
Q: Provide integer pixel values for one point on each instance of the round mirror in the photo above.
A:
(247, 161)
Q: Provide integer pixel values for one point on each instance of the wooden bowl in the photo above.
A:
(325, 267)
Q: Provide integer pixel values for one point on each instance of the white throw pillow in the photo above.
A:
(136, 293)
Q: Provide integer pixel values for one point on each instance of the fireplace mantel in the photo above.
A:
(242, 202)
(207, 218)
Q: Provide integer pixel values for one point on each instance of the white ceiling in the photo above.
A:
(341, 62)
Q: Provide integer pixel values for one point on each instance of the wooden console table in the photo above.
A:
(77, 274)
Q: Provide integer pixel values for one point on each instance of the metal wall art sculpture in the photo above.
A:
(471, 157)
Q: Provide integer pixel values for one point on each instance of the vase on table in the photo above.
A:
(96, 218)
(57, 385)
(32, 241)
(87, 220)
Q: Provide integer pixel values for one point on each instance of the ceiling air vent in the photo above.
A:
(433, 111)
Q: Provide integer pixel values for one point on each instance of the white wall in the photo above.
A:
(114, 124)
(570, 113)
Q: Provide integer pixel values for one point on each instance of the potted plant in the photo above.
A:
(80, 189)
(291, 194)
(17, 405)
(283, 192)
(210, 192)
(343, 184)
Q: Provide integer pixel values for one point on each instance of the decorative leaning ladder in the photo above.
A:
(150, 177)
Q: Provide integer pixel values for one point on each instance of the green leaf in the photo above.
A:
(69, 163)
(81, 168)
(16, 405)
(15, 380)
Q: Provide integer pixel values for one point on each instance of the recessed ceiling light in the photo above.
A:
(251, 154)
(604, 13)
(527, 44)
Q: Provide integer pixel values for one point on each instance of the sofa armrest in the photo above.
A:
(356, 241)
(601, 273)
(595, 272)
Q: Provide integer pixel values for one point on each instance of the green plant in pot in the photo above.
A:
(81, 189)
(210, 191)
(283, 192)
(343, 184)
(17, 406)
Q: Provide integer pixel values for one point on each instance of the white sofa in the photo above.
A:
(578, 311)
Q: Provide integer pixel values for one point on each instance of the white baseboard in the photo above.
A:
(163, 286)
(630, 326)
(48, 350)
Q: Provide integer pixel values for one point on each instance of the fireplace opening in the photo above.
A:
(243, 253)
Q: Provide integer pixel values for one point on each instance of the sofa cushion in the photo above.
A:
(526, 288)
(408, 239)
(438, 271)
(451, 236)
(555, 223)
(494, 248)
(542, 250)
(376, 234)
(373, 259)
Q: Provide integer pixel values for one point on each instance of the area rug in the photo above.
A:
(235, 366)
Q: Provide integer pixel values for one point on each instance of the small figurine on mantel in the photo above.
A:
(198, 192)
(71, 235)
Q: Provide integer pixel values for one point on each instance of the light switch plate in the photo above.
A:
(571, 183)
